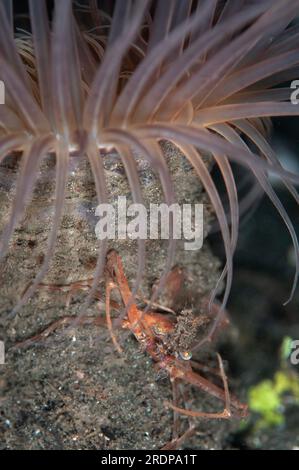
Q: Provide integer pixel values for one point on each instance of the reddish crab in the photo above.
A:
(150, 328)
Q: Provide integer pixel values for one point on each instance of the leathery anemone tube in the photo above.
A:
(205, 75)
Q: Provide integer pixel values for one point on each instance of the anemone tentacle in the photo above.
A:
(203, 75)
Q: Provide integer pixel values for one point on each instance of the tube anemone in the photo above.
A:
(202, 75)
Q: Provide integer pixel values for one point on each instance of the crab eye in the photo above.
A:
(159, 330)
(185, 355)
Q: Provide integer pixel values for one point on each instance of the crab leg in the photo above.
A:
(187, 375)
(115, 266)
